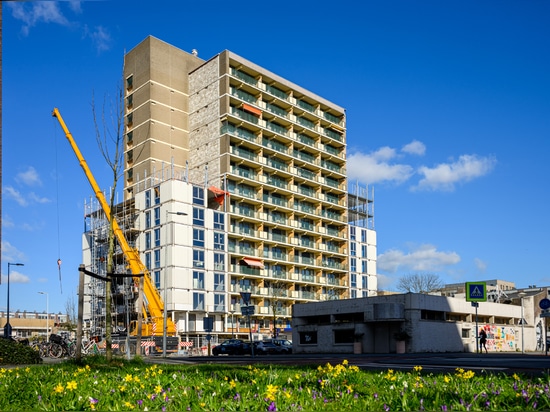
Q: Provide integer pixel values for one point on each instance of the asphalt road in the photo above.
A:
(509, 363)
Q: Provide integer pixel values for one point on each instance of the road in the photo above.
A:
(509, 363)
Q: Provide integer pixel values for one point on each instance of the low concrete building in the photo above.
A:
(433, 324)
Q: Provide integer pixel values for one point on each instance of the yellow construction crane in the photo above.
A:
(153, 306)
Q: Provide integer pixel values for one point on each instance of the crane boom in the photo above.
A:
(153, 305)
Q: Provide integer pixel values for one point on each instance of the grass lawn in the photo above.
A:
(134, 385)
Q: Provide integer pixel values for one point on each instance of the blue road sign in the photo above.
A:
(476, 292)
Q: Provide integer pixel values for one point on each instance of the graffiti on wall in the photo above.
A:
(500, 338)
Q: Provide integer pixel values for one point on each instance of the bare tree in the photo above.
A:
(110, 139)
(70, 310)
(419, 283)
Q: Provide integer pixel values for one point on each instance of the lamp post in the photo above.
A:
(165, 280)
(7, 327)
(47, 313)
(232, 324)
(521, 295)
(249, 309)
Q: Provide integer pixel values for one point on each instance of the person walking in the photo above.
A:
(483, 340)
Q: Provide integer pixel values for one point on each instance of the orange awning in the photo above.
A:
(252, 109)
(255, 263)
(219, 194)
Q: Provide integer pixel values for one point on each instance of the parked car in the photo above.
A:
(265, 348)
(231, 347)
(284, 345)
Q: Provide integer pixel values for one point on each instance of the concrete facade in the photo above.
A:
(434, 323)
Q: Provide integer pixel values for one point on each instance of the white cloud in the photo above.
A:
(38, 199)
(480, 265)
(414, 148)
(446, 175)
(100, 36)
(29, 177)
(425, 258)
(10, 253)
(14, 194)
(15, 277)
(375, 167)
(32, 13)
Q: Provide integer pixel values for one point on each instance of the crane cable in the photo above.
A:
(58, 220)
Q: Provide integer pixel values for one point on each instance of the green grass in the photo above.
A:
(121, 385)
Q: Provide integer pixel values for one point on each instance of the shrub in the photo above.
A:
(13, 352)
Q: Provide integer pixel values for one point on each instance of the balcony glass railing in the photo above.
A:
(241, 94)
(238, 131)
(306, 191)
(243, 76)
(276, 110)
(305, 122)
(245, 116)
(305, 106)
(306, 140)
(275, 200)
(305, 173)
(277, 164)
(333, 135)
(276, 92)
(274, 145)
(331, 118)
(332, 150)
(276, 128)
(331, 166)
(247, 154)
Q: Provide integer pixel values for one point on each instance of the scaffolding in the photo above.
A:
(361, 206)
(123, 290)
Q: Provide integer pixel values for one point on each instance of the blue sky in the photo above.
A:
(447, 102)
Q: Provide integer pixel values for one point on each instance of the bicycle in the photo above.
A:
(61, 347)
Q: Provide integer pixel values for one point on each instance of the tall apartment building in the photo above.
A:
(271, 156)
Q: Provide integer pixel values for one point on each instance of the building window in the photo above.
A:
(198, 301)
(157, 237)
(198, 216)
(219, 221)
(198, 195)
(344, 336)
(364, 266)
(219, 261)
(352, 232)
(157, 279)
(147, 240)
(219, 302)
(129, 82)
(147, 199)
(157, 258)
(308, 338)
(353, 248)
(219, 282)
(364, 251)
(219, 241)
(157, 195)
(148, 260)
(363, 236)
(353, 294)
(147, 220)
(198, 237)
(157, 216)
(353, 280)
(198, 258)
(365, 282)
(353, 265)
(198, 280)
(130, 137)
(465, 333)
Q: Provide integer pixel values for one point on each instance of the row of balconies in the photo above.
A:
(292, 276)
(285, 166)
(280, 147)
(280, 94)
(287, 131)
(253, 251)
(282, 183)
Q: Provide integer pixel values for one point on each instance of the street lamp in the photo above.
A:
(249, 309)
(232, 324)
(47, 313)
(7, 327)
(165, 296)
(521, 295)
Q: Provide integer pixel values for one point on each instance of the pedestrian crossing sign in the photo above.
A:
(476, 292)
